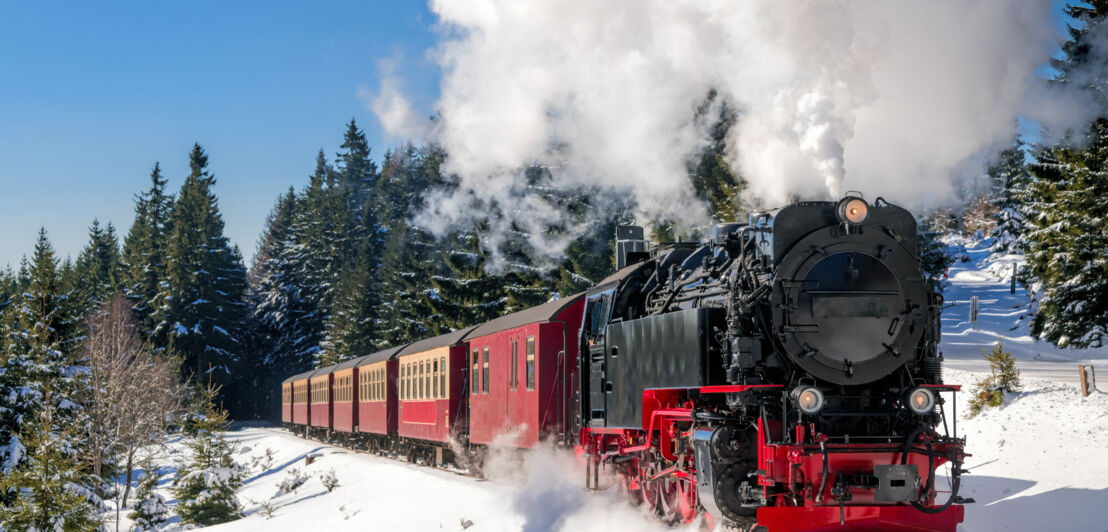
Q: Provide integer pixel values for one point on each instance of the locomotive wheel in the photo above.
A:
(651, 493)
(686, 500)
(678, 500)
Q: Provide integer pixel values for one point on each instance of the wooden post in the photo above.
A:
(1088, 380)
(973, 304)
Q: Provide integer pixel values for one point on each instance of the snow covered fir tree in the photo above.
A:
(206, 484)
(42, 485)
(150, 509)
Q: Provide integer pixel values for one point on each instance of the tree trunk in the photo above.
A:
(130, 472)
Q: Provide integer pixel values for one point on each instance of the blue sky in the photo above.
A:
(92, 94)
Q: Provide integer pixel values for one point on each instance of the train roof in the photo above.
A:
(442, 340)
(299, 376)
(384, 354)
(322, 371)
(347, 364)
(544, 312)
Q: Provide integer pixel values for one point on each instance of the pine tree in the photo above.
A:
(9, 286)
(352, 328)
(40, 378)
(357, 173)
(710, 175)
(408, 258)
(1068, 245)
(47, 484)
(98, 270)
(202, 309)
(150, 509)
(406, 285)
(205, 487)
(463, 293)
(144, 248)
(1010, 181)
(279, 344)
(321, 229)
(934, 259)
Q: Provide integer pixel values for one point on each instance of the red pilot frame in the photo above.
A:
(376, 414)
(521, 367)
(430, 385)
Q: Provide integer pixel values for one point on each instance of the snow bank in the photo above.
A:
(1040, 461)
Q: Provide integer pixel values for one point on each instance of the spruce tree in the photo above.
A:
(281, 310)
(201, 303)
(1068, 194)
(1010, 181)
(98, 268)
(356, 172)
(205, 487)
(934, 258)
(150, 509)
(463, 294)
(406, 285)
(47, 484)
(144, 248)
(711, 177)
(40, 379)
(1068, 244)
(321, 227)
(352, 329)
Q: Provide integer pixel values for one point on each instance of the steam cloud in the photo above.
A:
(545, 487)
(904, 100)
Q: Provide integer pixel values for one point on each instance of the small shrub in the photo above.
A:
(1004, 378)
(293, 480)
(330, 480)
(267, 508)
(150, 509)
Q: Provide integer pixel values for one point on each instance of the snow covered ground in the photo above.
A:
(1002, 316)
(1040, 462)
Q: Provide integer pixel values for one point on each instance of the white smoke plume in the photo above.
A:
(545, 487)
(892, 98)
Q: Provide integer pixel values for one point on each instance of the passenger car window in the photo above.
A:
(530, 362)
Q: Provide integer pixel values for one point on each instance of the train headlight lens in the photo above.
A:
(853, 210)
(808, 399)
(921, 401)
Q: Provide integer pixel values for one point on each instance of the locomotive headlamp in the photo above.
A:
(808, 399)
(921, 401)
(853, 210)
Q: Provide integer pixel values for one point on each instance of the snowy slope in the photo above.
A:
(537, 492)
(1002, 316)
(1040, 462)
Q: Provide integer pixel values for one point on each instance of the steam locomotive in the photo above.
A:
(783, 375)
(787, 370)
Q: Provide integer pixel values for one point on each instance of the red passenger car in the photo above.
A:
(376, 414)
(300, 399)
(521, 367)
(319, 415)
(431, 384)
(344, 409)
